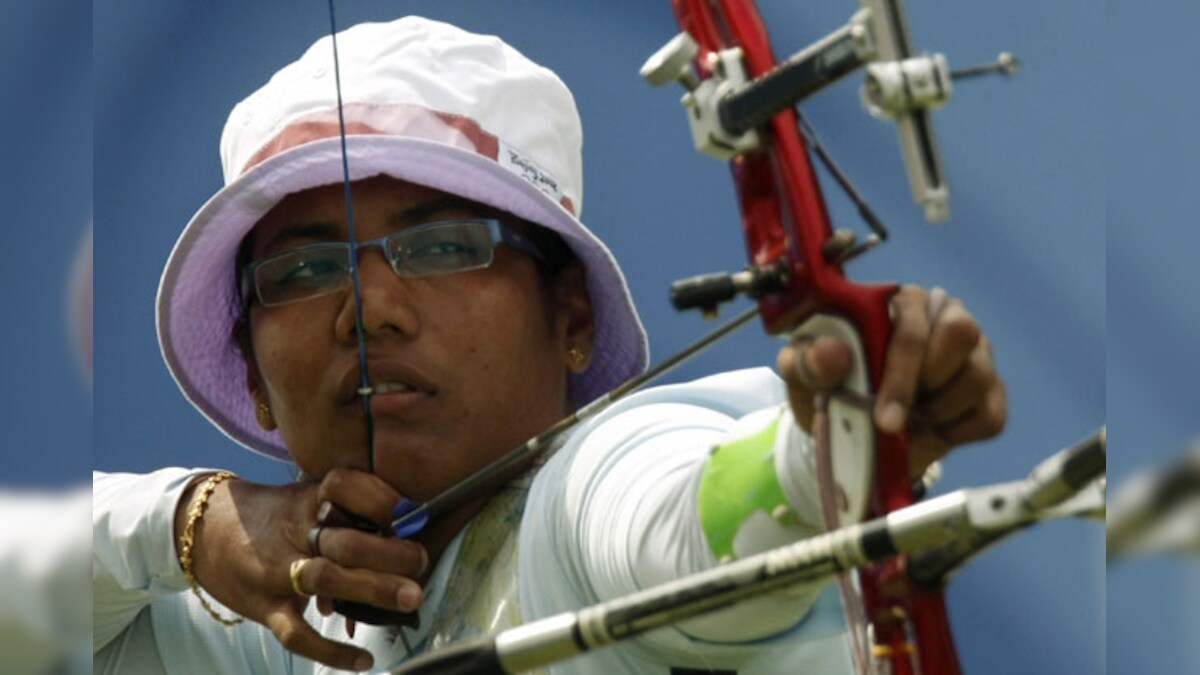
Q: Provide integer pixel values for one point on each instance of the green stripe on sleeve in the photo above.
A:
(738, 480)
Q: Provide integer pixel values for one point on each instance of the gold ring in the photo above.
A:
(296, 571)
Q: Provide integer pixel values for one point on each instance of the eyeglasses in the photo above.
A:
(444, 247)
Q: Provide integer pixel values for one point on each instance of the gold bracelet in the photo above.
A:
(187, 542)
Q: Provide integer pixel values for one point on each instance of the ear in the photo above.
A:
(262, 405)
(574, 322)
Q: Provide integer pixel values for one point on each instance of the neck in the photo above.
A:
(436, 537)
(442, 530)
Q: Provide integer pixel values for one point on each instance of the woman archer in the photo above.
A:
(486, 311)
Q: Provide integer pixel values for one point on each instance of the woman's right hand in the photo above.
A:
(250, 535)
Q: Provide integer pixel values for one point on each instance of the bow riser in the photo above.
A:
(786, 224)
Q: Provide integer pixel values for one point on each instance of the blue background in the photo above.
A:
(1151, 150)
(46, 192)
(1034, 232)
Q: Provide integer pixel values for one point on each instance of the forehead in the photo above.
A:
(399, 203)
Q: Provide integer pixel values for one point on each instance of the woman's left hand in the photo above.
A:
(939, 381)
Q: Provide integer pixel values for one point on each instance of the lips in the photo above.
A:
(391, 388)
(389, 379)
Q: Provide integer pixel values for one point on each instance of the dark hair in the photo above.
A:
(555, 252)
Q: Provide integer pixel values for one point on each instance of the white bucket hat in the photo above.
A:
(424, 102)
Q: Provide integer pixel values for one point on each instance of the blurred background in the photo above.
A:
(46, 185)
(1086, 158)
(46, 193)
(1151, 149)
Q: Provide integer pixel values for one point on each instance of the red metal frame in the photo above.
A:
(785, 218)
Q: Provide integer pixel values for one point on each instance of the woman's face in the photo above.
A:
(466, 366)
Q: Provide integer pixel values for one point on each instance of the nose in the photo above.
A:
(387, 304)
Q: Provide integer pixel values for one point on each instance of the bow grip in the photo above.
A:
(859, 315)
(850, 428)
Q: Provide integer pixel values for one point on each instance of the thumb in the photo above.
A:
(811, 366)
(818, 364)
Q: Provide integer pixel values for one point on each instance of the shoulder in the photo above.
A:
(682, 421)
(734, 393)
(709, 403)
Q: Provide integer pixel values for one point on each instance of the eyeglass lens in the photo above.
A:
(427, 250)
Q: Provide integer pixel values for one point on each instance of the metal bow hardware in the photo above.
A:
(1155, 511)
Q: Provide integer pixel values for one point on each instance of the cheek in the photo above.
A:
(508, 317)
(291, 361)
(287, 354)
(514, 344)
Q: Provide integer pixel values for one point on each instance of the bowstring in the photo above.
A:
(364, 380)
(852, 604)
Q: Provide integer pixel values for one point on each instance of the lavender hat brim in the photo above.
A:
(198, 300)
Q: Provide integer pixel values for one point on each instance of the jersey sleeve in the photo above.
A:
(133, 538)
(673, 482)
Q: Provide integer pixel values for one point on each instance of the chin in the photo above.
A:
(418, 477)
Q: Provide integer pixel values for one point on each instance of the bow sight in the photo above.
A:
(726, 109)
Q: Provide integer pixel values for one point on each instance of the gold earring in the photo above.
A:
(577, 357)
(263, 414)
